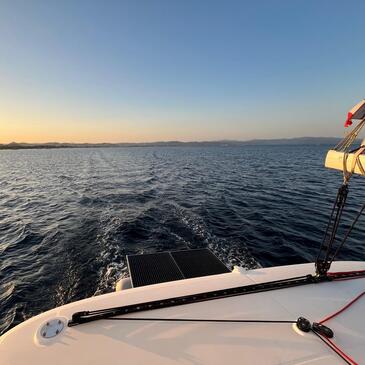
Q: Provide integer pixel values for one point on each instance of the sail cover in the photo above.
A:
(357, 112)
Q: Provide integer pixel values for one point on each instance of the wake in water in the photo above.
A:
(69, 217)
(165, 226)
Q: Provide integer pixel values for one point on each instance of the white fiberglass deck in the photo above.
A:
(137, 343)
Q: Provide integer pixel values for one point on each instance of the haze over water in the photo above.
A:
(69, 216)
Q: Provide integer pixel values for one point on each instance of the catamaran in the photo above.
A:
(187, 307)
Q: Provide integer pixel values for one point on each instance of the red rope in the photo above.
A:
(343, 308)
(336, 348)
(334, 274)
(345, 279)
(331, 343)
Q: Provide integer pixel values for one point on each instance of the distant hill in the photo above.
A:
(282, 141)
(296, 141)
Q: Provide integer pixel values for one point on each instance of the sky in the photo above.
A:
(142, 71)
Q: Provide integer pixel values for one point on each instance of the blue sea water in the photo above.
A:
(68, 217)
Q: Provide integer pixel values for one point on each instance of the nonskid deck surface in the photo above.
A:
(152, 342)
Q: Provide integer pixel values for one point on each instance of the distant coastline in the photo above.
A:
(223, 143)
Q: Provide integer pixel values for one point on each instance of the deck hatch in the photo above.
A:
(161, 267)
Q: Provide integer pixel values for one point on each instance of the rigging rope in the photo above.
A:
(347, 234)
(315, 327)
(337, 350)
(327, 252)
(356, 161)
(346, 143)
(198, 320)
(322, 261)
(88, 316)
(327, 340)
(321, 331)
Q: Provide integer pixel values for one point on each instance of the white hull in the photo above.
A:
(137, 342)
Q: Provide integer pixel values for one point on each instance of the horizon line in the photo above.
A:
(171, 141)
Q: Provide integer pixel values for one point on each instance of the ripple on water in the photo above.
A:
(68, 217)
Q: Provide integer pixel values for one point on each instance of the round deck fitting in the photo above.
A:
(52, 328)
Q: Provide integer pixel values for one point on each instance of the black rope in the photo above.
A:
(202, 320)
(88, 316)
(345, 144)
(327, 227)
(341, 203)
(322, 261)
(326, 255)
(199, 320)
(348, 233)
(332, 348)
(302, 323)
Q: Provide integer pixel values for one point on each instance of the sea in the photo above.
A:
(69, 217)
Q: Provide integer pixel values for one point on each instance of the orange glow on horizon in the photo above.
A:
(123, 132)
(41, 128)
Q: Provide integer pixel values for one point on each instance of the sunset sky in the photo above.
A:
(124, 71)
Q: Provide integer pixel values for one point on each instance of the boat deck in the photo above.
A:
(152, 342)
